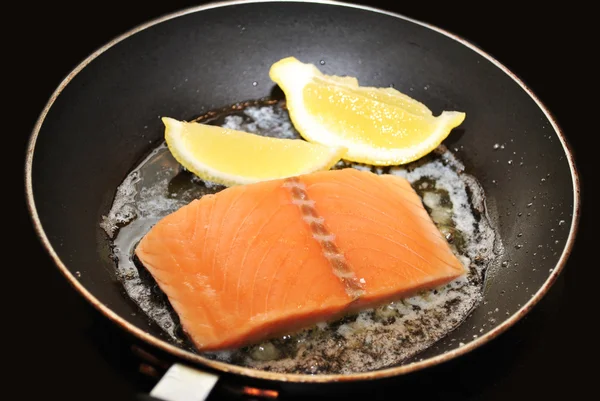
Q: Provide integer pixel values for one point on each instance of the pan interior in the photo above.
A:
(372, 339)
(107, 119)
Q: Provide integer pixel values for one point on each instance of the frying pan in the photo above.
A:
(104, 116)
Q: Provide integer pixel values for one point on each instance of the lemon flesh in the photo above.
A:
(379, 126)
(231, 157)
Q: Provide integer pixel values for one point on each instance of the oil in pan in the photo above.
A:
(369, 340)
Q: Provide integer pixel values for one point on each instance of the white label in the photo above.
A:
(182, 383)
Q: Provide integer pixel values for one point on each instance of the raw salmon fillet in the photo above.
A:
(265, 259)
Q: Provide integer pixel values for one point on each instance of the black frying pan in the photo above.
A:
(125, 86)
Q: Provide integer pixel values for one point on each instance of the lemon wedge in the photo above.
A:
(378, 126)
(231, 157)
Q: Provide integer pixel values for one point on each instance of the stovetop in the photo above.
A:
(67, 350)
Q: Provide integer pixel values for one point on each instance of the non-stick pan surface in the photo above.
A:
(105, 117)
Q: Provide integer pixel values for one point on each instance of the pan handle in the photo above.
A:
(178, 382)
(183, 383)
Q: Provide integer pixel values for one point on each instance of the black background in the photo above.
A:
(59, 347)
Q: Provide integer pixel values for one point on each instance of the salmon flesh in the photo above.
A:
(261, 260)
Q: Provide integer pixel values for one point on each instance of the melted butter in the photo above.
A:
(369, 340)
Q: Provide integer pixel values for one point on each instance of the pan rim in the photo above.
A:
(282, 377)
